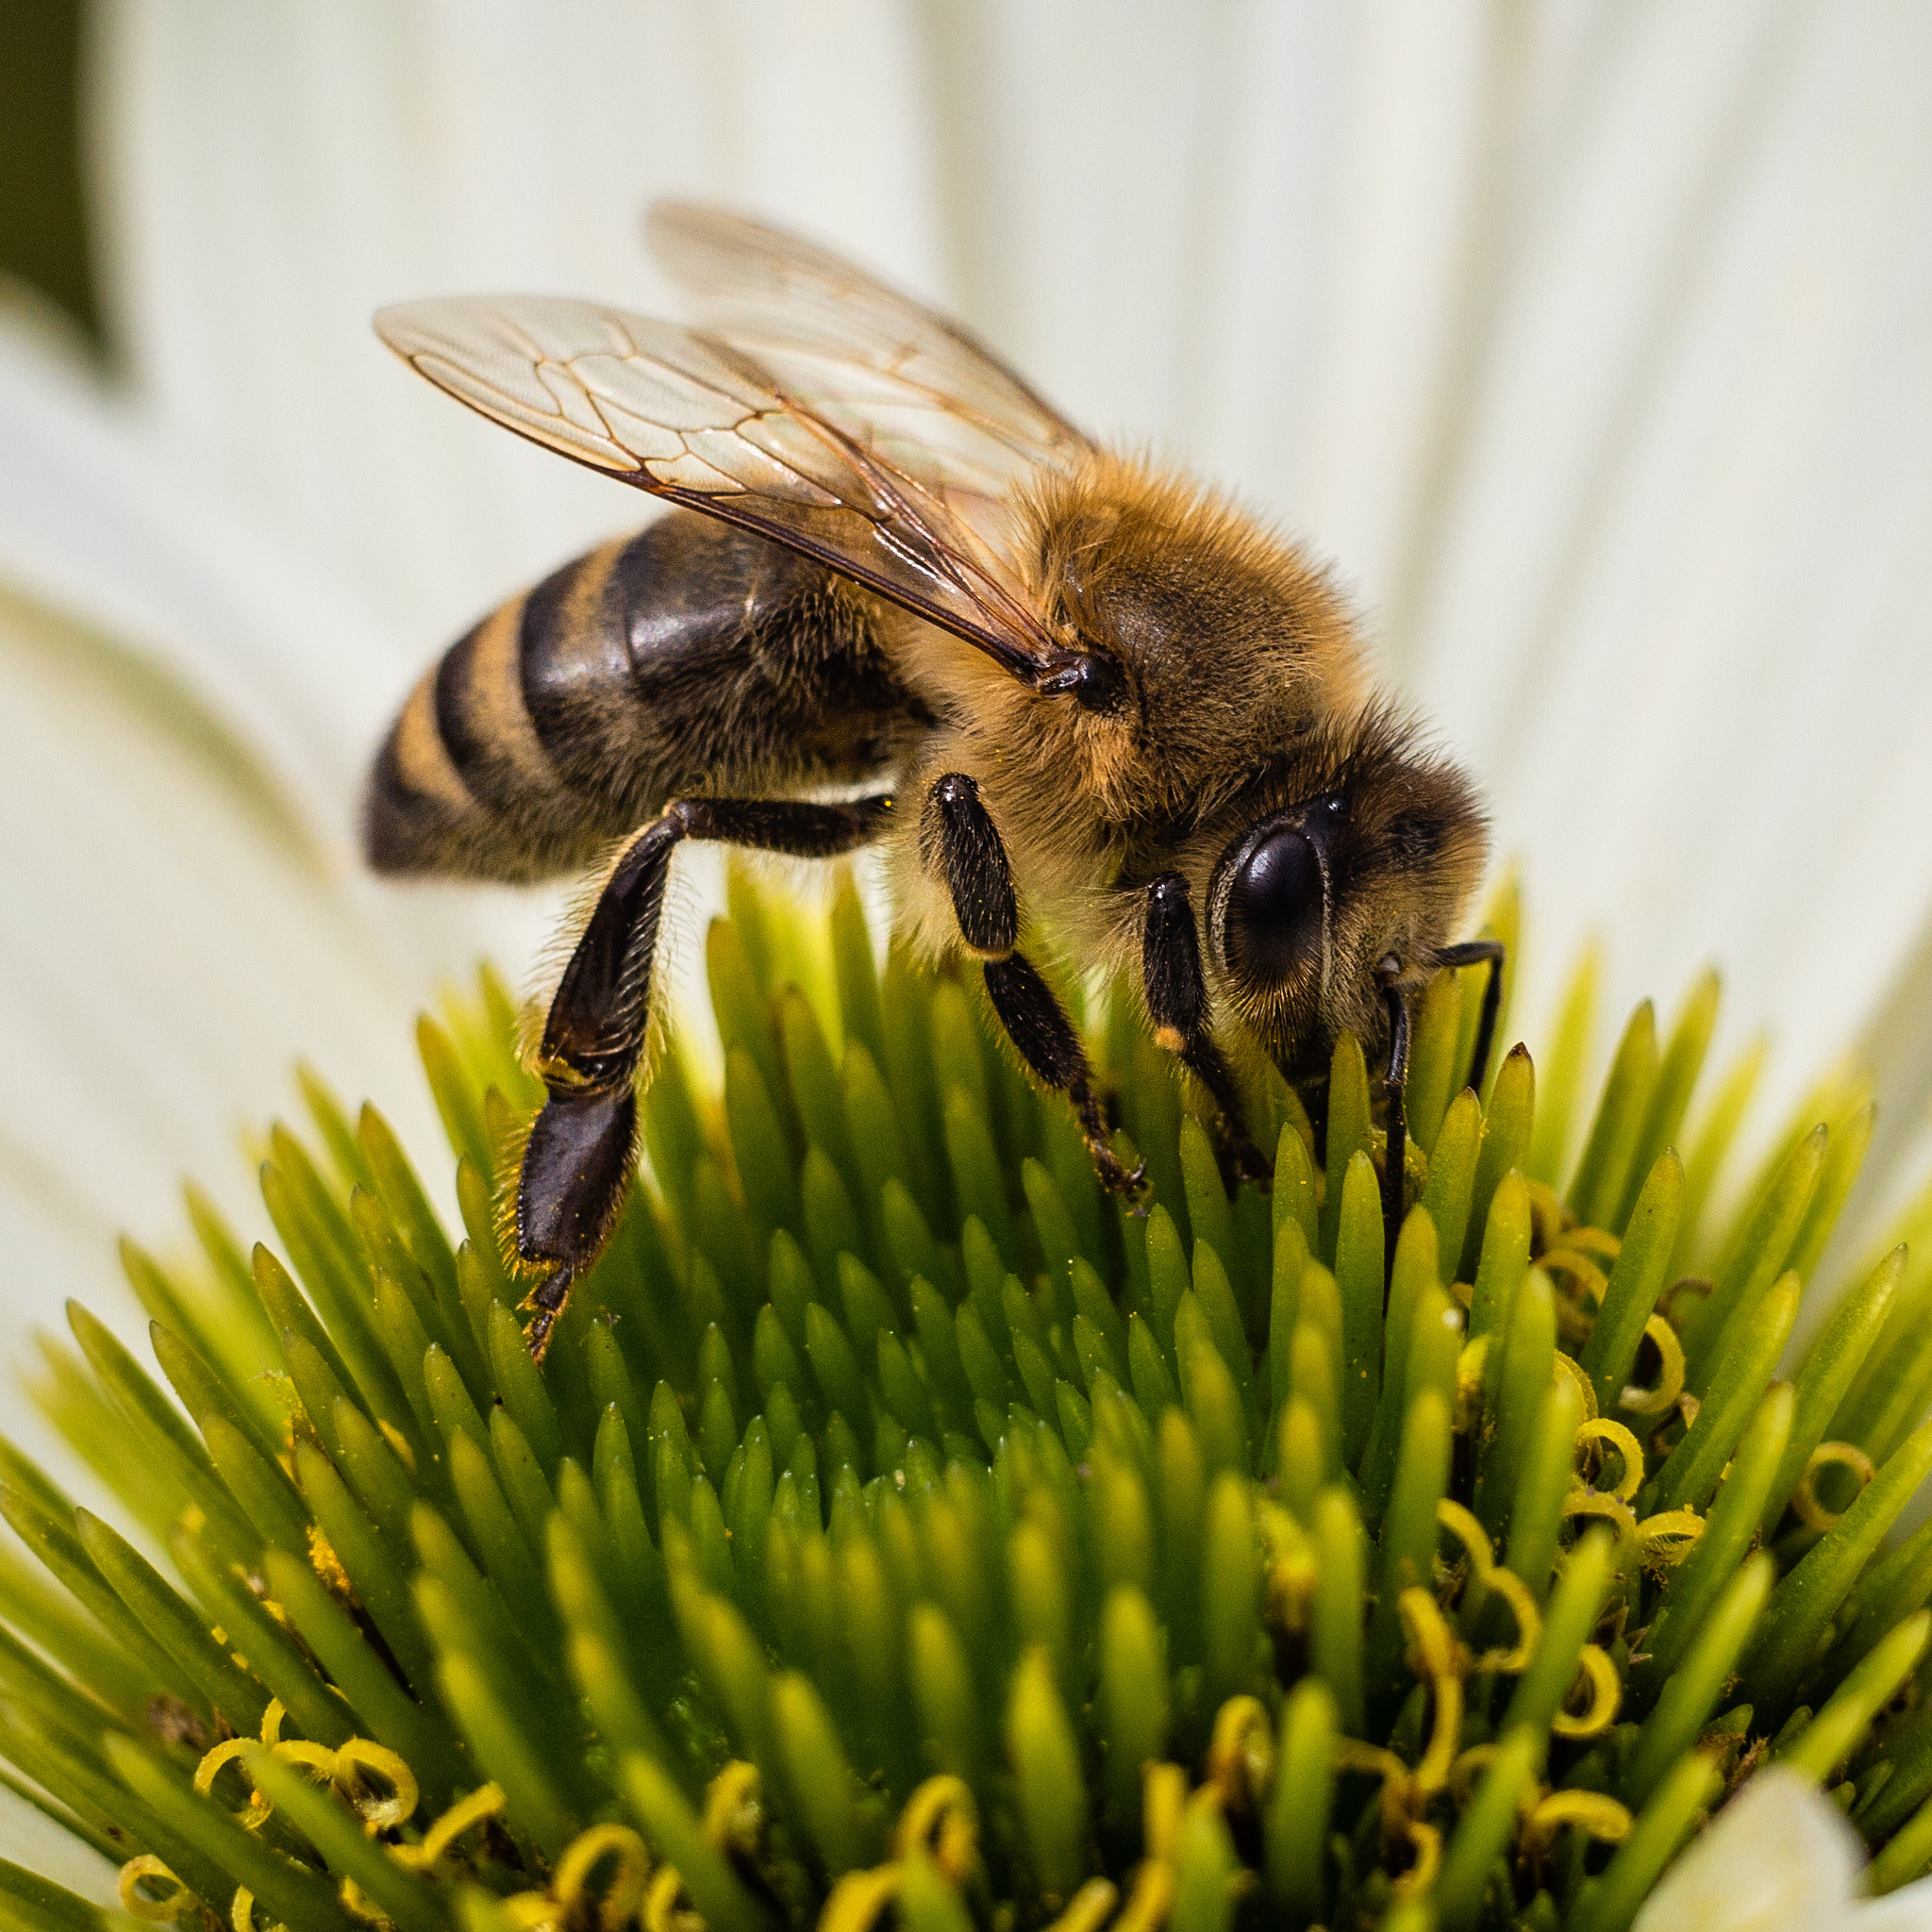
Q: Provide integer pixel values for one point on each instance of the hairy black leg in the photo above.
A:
(959, 840)
(583, 1143)
(1395, 1154)
(1177, 1004)
(1472, 953)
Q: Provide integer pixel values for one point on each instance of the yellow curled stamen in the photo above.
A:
(1529, 1625)
(1470, 1364)
(485, 1801)
(1090, 1908)
(272, 1722)
(360, 1905)
(1804, 1501)
(1571, 1260)
(1163, 1797)
(1586, 1389)
(859, 1900)
(147, 1869)
(1606, 1694)
(226, 1753)
(630, 1876)
(734, 1809)
(941, 1819)
(1598, 1242)
(1352, 1755)
(1468, 1531)
(1240, 1757)
(1603, 1818)
(1462, 1774)
(1665, 1539)
(527, 1911)
(1420, 1876)
(1436, 1655)
(1670, 1383)
(318, 1761)
(1589, 1503)
(1630, 1453)
(359, 1762)
(1150, 1905)
(666, 1908)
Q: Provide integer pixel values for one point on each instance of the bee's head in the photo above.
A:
(1366, 846)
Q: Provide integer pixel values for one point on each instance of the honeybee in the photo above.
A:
(901, 600)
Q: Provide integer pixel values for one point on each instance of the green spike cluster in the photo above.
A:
(900, 1531)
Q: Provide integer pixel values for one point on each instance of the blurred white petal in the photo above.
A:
(1777, 1858)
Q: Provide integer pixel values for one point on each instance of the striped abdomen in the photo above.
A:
(693, 659)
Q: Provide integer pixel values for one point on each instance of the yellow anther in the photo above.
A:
(1590, 1502)
(212, 1762)
(1598, 1242)
(1586, 1389)
(1529, 1625)
(1630, 1453)
(527, 1911)
(941, 1819)
(1150, 1905)
(734, 1809)
(1670, 1383)
(358, 1762)
(1163, 1797)
(1469, 1365)
(666, 1908)
(1462, 1774)
(1090, 1908)
(1467, 1529)
(485, 1801)
(359, 1905)
(1811, 1511)
(1240, 1756)
(860, 1900)
(318, 1761)
(624, 1895)
(1570, 1259)
(1599, 1674)
(241, 1912)
(148, 1869)
(1603, 1818)
(1420, 1876)
(1665, 1539)
(1436, 1655)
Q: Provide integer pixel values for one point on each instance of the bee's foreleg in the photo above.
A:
(581, 1149)
(1472, 953)
(959, 840)
(1177, 1004)
(1395, 1154)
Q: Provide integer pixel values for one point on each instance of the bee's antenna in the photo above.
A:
(1472, 953)
(1395, 1154)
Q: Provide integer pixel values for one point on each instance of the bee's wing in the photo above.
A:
(691, 417)
(913, 385)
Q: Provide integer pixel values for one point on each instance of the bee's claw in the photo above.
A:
(547, 1299)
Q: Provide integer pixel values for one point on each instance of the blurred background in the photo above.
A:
(1592, 339)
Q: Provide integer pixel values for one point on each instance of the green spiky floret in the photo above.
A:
(902, 1532)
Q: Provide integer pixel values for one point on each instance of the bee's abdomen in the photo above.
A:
(692, 657)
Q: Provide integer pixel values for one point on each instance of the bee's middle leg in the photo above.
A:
(582, 1147)
(959, 840)
(1177, 1004)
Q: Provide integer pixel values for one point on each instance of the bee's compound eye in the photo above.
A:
(1275, 909)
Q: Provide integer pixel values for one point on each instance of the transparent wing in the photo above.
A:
(896, 377)
(689, 417)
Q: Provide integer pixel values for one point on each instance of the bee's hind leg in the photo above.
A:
(584, 1142)
(958, 839)
(1177, 1004)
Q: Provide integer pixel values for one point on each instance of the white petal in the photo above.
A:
(1907, 1909)
(1777, 1858)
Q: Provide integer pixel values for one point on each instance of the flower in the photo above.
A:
(1630, 462)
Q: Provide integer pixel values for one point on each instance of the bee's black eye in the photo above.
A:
(1275, 908)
